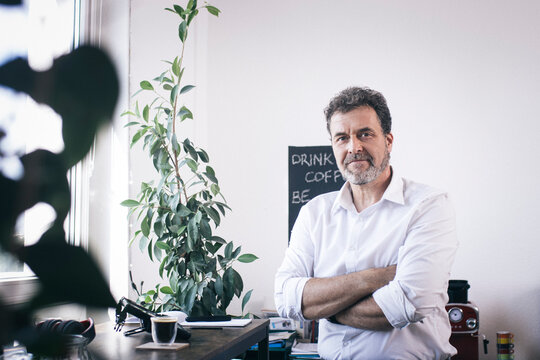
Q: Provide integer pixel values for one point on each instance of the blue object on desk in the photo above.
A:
(273, 344)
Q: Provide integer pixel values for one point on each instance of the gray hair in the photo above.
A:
(355, 97)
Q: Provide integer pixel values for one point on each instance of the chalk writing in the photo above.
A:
(312, 171)
(320, 159)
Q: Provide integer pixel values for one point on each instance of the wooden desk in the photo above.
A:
(205, 344)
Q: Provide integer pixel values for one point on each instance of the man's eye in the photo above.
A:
(365, 135)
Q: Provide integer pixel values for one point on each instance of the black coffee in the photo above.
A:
(163, 330)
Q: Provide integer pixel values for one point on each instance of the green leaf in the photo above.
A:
(247, 258)
(137, 136)
(214, 215)
(128, 113)
(145, 113)
(228, 251)
(203, 155)
(213, 10)
(215, 189)
(193, 230)
(228, 284)
(238, 283)
(185, 113)
(182, 32)
(158, 253)
(174, 201)
(180, 74)
(175, 145)
(236, 252)
(183, 211)
(205, 229)
(190, 298)
(246, 298)
(130, 203)
(146, 85)
(192, 164)
(186, 88)
(149, 249)
(218, 286)
(158, 227)
(143, 243)
(174, 94)
(167, 87)
(174, 283)
(145, 227)
(209, 299)
(175, 67)
(218, 239)
(131, 123)
(163, 246)
(180, 11)
(162, 265)
(210, 174)
(197, 260)
(198, 217)
(212, 248)
(192, 15)
(190, 149)
(166, 290)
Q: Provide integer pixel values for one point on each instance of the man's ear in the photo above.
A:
(389, 141)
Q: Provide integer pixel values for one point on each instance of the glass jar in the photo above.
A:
(76, 346)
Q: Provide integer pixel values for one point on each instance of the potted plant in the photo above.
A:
(178, 215)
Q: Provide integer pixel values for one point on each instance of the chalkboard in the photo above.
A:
(312, 171)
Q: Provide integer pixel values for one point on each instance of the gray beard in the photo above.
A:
(365, 177)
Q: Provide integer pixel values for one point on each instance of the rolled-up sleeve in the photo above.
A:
(295, 271)
(424, 263)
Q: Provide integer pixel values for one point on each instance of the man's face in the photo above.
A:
(361, 149)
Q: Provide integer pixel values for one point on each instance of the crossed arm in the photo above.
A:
(348, 298)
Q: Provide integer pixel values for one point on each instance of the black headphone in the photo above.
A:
(85, 328)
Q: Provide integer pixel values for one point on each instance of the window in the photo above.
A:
(40, 30)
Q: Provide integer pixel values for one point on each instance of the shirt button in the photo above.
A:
(345, 343)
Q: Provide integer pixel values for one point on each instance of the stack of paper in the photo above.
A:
(304, 350)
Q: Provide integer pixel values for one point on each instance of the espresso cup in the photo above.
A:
(164, 329)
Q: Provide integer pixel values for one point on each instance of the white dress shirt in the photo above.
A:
(413, 226)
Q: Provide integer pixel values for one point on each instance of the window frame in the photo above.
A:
(18, 288)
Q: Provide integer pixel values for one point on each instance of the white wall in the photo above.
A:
(461, 79)
(106, 166)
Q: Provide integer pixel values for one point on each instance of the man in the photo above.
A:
(371, 262)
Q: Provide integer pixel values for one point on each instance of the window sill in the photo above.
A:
(19, 290)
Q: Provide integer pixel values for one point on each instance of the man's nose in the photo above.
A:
(355, 145)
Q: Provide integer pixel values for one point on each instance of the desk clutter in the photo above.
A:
(289, 339)
(304, 350)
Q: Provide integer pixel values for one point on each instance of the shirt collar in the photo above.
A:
(394, 193)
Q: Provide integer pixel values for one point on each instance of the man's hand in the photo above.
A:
(365, 314)
(324, 297)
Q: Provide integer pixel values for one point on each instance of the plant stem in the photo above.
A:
(179, 179)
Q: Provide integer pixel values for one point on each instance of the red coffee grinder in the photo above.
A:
(464, 321)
